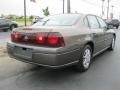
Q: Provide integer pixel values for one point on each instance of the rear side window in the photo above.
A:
(93, 23)
(101, 22)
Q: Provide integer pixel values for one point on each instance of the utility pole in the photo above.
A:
(25, 12)
(103, 7)
(119, 15)
(108, 9)
(112, 8)
(112, 12)
(63, 6)
(68, 6)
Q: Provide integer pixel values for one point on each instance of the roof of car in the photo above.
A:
(70, 14)
(81, 14)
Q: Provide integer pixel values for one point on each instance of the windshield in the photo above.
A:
(59, 20)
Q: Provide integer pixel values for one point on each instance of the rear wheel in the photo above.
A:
(112, 45)
(85, 59)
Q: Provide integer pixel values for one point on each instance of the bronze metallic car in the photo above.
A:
(62, 40)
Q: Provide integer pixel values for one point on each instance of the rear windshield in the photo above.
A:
(59, 20)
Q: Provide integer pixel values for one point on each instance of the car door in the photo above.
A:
(97, 33)
(107, 35)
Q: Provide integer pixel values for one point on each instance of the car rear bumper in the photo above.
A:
(47, 59)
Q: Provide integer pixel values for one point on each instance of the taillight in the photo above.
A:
(15, 36)
(55, 39)
(51, 39)
(40, 38)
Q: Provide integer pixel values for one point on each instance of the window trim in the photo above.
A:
(89, 22)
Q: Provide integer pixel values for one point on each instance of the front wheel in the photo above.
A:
(85, 59)
(12, 27)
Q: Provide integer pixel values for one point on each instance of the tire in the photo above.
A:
(5, 30)
(12, 27)
(85, 59)
(117, 27)
(112, 45)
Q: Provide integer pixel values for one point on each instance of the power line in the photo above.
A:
(117, 3)
(93, 4)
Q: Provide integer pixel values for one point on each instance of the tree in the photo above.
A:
(2, 15)
(20, 17)
(46, 11)
(11, 16)
(31, 17)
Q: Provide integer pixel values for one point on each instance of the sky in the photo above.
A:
(55, 7)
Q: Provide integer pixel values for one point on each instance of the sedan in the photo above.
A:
(62, 40)
(6, 24)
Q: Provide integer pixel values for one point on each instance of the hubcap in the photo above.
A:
(86, 58)
(113, 43)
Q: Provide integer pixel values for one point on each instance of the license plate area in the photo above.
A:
(23, 52)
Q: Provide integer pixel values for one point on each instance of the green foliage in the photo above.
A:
(21, 17)
(31, 17)
(2, 15)
(46, 11)
(11, 16)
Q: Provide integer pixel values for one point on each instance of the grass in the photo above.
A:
(21, 22)
(22, 19)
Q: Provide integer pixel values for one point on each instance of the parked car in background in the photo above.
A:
(62, 40)
(6, 24)
(107, 21)
(113, 22)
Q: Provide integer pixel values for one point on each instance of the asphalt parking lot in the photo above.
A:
(104, 73)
